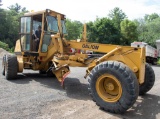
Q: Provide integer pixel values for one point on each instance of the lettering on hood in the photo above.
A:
(90, 46)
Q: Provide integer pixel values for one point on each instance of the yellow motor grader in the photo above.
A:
(115, 79)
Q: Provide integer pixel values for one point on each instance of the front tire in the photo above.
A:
(148, 81)
(113, 86)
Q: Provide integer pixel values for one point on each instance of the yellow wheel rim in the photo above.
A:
(109, 88)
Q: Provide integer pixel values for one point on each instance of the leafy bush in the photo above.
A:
(11, 50)
(4, 46)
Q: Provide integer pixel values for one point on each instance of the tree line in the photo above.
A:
(115, 28)
(9, 25)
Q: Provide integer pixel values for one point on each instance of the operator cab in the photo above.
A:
(29, 23)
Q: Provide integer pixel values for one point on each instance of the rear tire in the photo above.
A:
(148, 81)
(118, 89)
(11, 67)
(154, 61)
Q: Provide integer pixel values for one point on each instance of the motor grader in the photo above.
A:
(115, 79)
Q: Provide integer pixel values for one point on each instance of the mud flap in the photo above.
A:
(61, 73)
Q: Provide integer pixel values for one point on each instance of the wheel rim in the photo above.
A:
(109, 88)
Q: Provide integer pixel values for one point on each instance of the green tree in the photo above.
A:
(151, 17)
(141, 28)
(74, 29)
(117, 15)
(24, 10)
(18, 8)
(4, 45)
(128, 31)
(2, 22)
(91, 32)
(103, 31)
(148, 30)
(9, 26)
(152, 32)
(15, 7)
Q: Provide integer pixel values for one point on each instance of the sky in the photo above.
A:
(89, 10)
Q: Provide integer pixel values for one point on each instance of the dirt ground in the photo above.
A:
(37, 96)
(3, 52)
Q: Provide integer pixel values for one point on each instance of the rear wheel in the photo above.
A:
(154, 61)
(113, 86)
(11, 67)
(148, 81)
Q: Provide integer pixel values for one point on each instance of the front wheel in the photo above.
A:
(113, 86)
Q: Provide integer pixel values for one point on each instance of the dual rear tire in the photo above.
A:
(149, 80)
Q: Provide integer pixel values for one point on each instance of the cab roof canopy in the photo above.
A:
(47, 12)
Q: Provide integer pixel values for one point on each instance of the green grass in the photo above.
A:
(158, 62)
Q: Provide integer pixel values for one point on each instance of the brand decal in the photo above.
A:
(90, 46)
